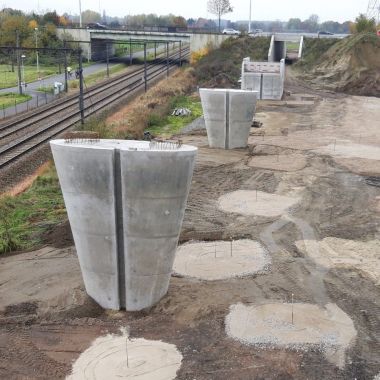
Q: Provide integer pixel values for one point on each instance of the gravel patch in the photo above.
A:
(221, 259)
(115, 357)
(247, 202)
(296, 326)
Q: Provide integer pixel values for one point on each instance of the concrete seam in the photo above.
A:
(119, 229)
(227, 132)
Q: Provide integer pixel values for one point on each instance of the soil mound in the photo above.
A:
(351, 65)
(221, 68)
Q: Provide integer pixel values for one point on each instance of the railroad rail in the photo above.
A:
(24, 134)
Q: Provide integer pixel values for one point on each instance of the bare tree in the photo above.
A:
(219, 8)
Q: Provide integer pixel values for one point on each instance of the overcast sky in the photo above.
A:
(338, 10)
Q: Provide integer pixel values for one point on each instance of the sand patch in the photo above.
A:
(368, 152)
(360, 166)
(281, 162)
(270, 326)
(221, 259)
(49, 276)
(247, 202)
(107, 359)
(341, 253)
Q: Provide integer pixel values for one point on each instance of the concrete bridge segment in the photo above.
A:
(98, 37)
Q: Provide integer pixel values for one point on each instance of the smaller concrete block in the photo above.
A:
(242, 110)
(228, 116)
(214, 111)
(265, 77)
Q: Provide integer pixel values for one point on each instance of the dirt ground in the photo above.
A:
(43, 331)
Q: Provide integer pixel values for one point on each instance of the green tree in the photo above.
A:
(294, 24)
(51, 18)
(89, 16)
(180, 22)
(364, 24)
(219, 8)
(312, 23)
(12, 23)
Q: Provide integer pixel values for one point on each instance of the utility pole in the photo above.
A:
(80, 13)
(65, 68)
(167, 59)
(180, 53)
(250, 11)
(81, 102)
(18, 62)
(145, 70)
(108, 60)
(130, 52)
(37, 58)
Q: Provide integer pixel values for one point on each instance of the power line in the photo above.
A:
(373, 10)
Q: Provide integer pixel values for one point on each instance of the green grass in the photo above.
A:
(48, 89)
(221, 68)
(123, 49)
(9, 78)
(8, 99)
(169, 125)
(292, 46)
(24, 218)
(313, 51)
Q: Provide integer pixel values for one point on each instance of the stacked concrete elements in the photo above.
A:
(267, 78)
(125, 201)
(228, 116)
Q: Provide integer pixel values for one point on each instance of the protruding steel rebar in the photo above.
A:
(165, 144)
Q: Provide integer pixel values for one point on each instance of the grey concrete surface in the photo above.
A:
(125, 201)
(228, 116)
(267, 78)
(197, 41)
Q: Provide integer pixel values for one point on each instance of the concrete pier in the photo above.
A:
(267, 78)
(125, 201)
(228, 116)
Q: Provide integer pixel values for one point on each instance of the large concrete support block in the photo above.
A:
(155, 186)
(125, 201)
(228, 116)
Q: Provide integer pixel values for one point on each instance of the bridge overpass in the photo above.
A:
(278, 44)
(95, 42)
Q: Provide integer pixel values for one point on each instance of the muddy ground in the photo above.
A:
(42, 331)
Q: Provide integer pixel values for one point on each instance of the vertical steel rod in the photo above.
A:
(81, 103)
(145, 70)
(65, 64)
(108, 60)
(130, 52)
(18, 62)
(180, 53)
(167, 59)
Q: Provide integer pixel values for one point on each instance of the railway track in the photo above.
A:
(24, 134)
